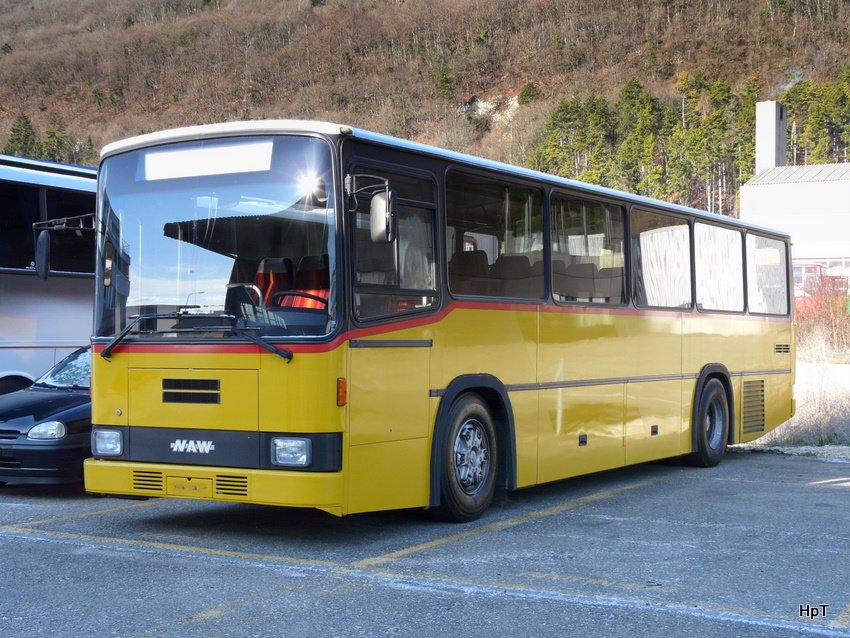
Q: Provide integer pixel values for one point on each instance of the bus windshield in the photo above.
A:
(213, 238)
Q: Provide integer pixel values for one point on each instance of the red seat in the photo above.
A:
(274, 274)
(312, 278)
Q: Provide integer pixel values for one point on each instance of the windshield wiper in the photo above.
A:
(281, 352)
(265, 345)
(106, 353)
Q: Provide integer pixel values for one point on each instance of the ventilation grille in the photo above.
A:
(782, 348)
(9, 435)
(191, 391)
(147, 481)
(230, 485)
(753, 420)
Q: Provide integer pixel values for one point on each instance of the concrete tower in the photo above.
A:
(771, 127)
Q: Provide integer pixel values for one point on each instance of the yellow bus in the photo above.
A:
(310, 315)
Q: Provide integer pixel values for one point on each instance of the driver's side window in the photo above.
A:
(399, 276)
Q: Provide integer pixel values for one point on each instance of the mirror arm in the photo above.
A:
(352, 190)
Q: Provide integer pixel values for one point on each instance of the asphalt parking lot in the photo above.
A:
(755, 547)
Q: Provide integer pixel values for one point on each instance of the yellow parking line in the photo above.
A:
(843, 619)
(70, 517)
(192, 549)
(501, 525)
(383, 559)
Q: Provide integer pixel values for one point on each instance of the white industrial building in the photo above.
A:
(811, 203)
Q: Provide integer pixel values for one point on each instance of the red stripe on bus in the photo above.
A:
(425, 320)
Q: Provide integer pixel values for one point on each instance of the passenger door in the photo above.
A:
(393, 289)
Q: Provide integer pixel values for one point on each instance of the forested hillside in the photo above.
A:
(654, 96)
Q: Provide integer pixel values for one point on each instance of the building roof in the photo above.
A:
(802, 174)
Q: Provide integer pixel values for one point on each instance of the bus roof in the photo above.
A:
(46, 173)
(260, 127)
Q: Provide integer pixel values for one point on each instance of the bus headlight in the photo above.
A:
(291, 451)
(47, 430)
(106, 443)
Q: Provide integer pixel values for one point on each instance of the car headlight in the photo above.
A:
(292, 451)
(47, 430)
(106, 443)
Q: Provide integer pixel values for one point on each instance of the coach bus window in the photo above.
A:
(399, 276)
(661, 260)
(719, 258)
(71, 250)
(16, 239)
(494, 238)
(587, 251)
(767, 276)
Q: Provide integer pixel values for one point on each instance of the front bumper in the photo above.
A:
(320, 490)
(60, 461)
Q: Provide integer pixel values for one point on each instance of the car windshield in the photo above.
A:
(212, 238)
(74, 371)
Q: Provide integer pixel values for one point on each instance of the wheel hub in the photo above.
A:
(472, 456)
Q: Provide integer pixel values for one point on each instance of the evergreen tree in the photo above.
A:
(640, 161)
(744, 131)
(696, 151)
(578, 141)
(23, 138)
(56, 146)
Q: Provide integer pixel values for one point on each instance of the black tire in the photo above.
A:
(469, 461)
(712, 425)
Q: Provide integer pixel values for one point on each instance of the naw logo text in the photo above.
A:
(195, 447)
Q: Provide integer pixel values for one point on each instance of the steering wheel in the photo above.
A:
(297, 293)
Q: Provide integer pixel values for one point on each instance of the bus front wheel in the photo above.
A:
(469, 461)
(712, 425)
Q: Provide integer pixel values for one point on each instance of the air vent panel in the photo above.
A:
(147, 481)
(231, 485)
(753, 407)
(200, 391)
(782, 348)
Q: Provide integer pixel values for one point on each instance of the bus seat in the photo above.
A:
(559, 272)
(312, 277)
(241, 300)
(578, 281)
(511, 276)
(609, 284)
(469, 273)
(273, 275)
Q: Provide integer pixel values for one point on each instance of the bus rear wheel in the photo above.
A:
(469, 461)
(712, 425)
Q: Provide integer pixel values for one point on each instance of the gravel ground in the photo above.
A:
(837, 453)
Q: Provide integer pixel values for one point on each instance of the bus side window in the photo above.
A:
(587, 251)
(661, 260)
(498, 231)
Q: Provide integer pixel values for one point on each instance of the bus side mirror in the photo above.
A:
(42, 254)
(383, 217)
